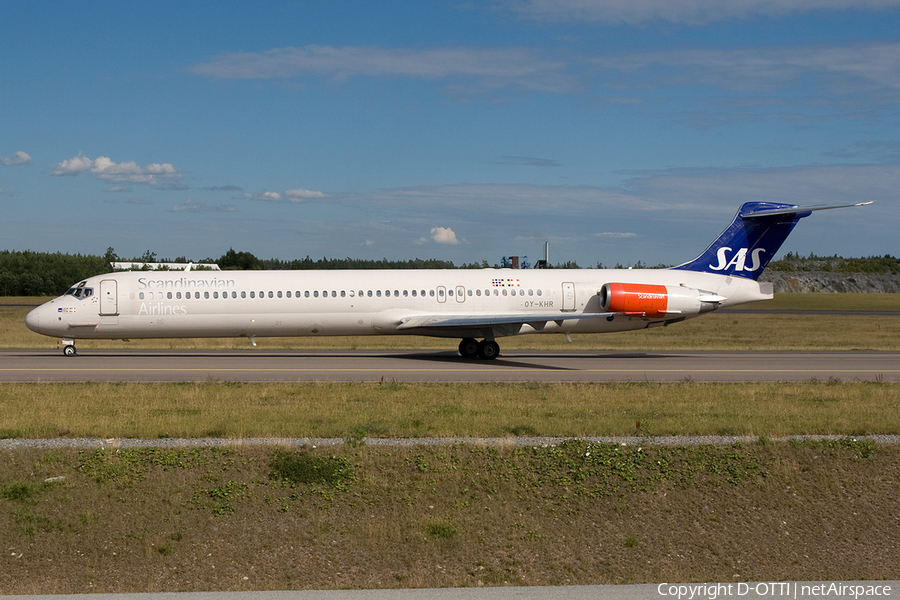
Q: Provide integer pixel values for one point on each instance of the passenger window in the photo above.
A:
(271, 295)
(141, 295)
(504, 291)
(414, 293)
(344, 294)
(215, 294)
(206, 295)
(279, 294)
(178, 295)
(334, 293)
(431, 293)
(316, 294)
(378, 293)
(531, 292)
(306, 294)
(369, 294)
(288, 293)
(253, 294)
(496, 292)
(539, 292)
(470, 293)
(441, 292)
(450, 292)
(477, 292)
(422, 293)
(243, 294)
(406, 293)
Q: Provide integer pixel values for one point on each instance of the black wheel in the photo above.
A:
(488, 350)
(69, 350)
(468, 348)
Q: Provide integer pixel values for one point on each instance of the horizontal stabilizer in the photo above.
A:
(751, 211)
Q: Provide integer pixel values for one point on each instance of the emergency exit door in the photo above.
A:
(108, 298)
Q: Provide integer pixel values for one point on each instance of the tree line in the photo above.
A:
(49, 274)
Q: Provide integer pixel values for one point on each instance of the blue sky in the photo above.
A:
(463, 130)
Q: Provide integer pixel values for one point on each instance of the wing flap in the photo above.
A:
(452, 321)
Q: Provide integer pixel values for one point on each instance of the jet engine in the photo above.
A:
(653, 301)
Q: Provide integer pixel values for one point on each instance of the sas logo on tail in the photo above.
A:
(738, 261)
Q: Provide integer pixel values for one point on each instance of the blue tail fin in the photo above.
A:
(751, 241)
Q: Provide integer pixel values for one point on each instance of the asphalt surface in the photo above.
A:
(416, 365)
(806, 590)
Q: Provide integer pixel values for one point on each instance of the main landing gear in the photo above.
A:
(485, 349)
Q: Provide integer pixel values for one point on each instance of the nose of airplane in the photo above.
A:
(33, 319)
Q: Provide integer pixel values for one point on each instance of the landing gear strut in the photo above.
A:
(485, 349)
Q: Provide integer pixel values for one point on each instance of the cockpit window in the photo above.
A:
(80, 292)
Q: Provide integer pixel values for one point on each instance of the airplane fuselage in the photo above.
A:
(371, 302)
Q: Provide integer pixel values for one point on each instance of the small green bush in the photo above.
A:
(302, 468)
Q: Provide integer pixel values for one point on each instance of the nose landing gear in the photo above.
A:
(68, 347)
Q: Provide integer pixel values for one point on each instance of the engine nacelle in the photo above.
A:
(656, 301)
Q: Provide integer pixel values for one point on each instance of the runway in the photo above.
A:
(440, 367)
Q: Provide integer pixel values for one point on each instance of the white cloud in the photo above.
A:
(495, 67)
(842, 69)
(616, 235)
(73, 166)
(300, 195)
(190, 206)
(125, 172)
(290, 196)
(20, 158)
(443, 235)
(691, 12)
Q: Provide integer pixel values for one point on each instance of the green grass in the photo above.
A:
(357, 410)
(822, 301)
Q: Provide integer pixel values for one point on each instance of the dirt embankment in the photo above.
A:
(823, 281)
(194, 519)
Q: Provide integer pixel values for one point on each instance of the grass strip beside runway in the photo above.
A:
(357, 410)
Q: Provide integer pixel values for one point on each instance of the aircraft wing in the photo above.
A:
(537, 320)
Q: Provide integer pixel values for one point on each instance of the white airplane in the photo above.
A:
(466, 304)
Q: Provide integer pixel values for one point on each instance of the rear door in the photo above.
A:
(568, 297)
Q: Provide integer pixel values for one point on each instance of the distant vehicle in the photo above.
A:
(477, 306)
